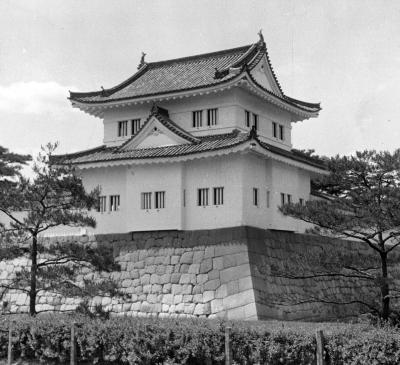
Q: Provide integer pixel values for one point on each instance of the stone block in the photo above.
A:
(206, 266)
(233, 287)
(154, 279)
(213, 274)
(218, 263)
(229, 261)
(228, 249)
(147, 289)
(187, 289)
(168, 299)
(165, 278)
(212, 284)
(239, 299)
(245, 283)
(202, 309)
(150, 269)
(160, 269)
(208, 296)
(178, 299)
(175, 277)
(187, 298)
(184, 268)
(194, 269)
(187, 258)
(176, 289)
(198, 298)
(179, 308)
(156, 288)
(198, 289)
(189, 308)
(222, 291)
(187, 279)
(175, 260)
(234, 273)
(167, 288)
(217, 305)
(152, 298)
(145, 279)
(198, 257)
(201, 278)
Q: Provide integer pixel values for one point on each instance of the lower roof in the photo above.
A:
(205, 144)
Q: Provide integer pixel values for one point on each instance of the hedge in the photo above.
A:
(118, 340)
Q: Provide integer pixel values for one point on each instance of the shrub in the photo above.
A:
(121, 340)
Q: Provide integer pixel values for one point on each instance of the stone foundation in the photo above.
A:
(227, 273)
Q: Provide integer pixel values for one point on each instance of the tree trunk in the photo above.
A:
(384, 287)
(32, 290)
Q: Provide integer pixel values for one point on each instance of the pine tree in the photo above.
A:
(54, 197)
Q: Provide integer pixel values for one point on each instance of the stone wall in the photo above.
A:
(233, 273)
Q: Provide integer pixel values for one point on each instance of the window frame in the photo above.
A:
(212, 117)
(202, 197)
(145, 200)
(255, 120)
(218, 195)
(197, 118)
(275, 129)
(281, 132)
(247, 118)
(135, 129)
(102, 208)
(122, 128)
(255, 197)
(115, 203)
(159, 200)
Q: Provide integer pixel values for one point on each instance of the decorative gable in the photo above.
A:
(263, 75)
(158, 131)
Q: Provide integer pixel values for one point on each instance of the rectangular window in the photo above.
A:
(247, 118)
(102, 204)
(114, 203)
(268, 197)
(281, 132)
(282, 198)
(184, 197)
(301, 201)
(255, 121)
(197, 119)
(145, 200)
(135, 126)
(202, 197)
(218, 197)
(289, 199)
(274, 129)
(212, 116)
(159, 199)
(255, 196)
(123, 128)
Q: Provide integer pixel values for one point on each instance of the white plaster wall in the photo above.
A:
(112, 181)
(218, 172)
(231, 105)
(152, 178)
(268, 113)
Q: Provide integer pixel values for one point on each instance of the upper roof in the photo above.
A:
(191, 73)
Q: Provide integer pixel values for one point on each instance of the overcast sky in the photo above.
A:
(344, 54)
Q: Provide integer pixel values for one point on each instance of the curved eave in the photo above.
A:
(249, 145)
(97, 108)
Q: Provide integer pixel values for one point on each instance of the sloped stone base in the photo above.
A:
(225, 273)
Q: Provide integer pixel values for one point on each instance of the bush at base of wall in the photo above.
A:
(189, 341)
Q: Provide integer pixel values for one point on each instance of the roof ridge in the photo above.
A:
(201, 55)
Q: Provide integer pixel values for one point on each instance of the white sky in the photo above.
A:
(344, 54)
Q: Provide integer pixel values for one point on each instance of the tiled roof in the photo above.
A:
(207, 143)
(190, 73)
(174, 75)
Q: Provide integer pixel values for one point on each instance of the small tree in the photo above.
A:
(54, 197)
(363, 203)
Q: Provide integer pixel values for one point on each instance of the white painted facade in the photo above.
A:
(238, 170)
